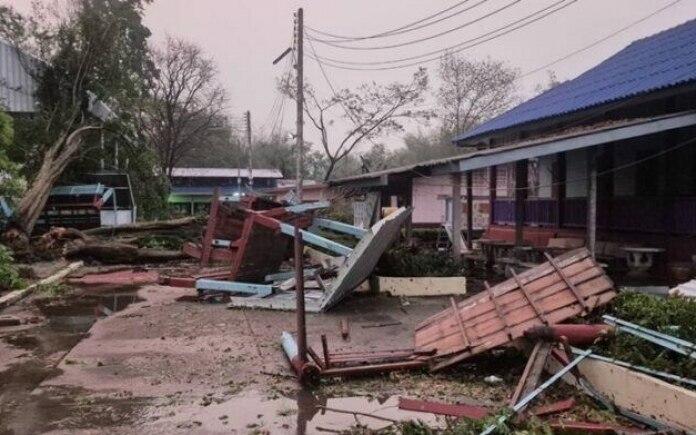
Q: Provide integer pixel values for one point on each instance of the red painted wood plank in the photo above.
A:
(468, 411)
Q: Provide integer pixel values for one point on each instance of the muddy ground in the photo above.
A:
(159, 364)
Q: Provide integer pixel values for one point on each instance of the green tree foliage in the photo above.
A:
(90, 50)
(11, 184)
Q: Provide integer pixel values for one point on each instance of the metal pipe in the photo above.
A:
(642, 369)
(308, 373)
(675, 344)
(299, 296)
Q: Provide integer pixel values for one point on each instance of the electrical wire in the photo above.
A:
(349, 40)
(427, 38)
(599, 41)
(452, 50)
(389, 32)
(335, 94)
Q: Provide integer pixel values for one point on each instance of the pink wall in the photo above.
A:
(430, 194)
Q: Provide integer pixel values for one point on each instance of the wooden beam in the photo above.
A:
(470, 209)
(532, 371)
(559, 187)
(591, 200)
(521, 168)
(456, 217)
(493, 192)
(460, 323)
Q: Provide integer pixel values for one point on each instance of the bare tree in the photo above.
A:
(474, 91)
(186, 102)
(372, 109)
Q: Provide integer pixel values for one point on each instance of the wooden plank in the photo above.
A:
(482, 314)
(562, 309)
(539, 311)
(532, 371)
(570, 285)
(460, 323)
(571, 260)
(537, 297)
(498, 311)
(500, 339)
(422, 286)
(512, 301)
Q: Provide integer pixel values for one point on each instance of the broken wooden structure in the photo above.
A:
(354, 270)
(570, 285)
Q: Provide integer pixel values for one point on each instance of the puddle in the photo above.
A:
(306, 414)
(39, 349)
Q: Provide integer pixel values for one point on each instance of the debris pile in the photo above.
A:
(252, 237)
(527, 311)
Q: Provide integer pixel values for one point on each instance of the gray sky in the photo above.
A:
(244, 36)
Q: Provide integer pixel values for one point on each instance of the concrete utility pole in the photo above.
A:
(300, 103)
(248, 135)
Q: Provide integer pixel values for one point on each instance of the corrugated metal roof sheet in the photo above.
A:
(225, 173)
(659, 61)
(17, 86)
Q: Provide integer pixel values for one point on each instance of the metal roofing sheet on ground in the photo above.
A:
(657, 62)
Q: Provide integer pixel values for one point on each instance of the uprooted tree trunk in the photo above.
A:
(119, 253)
(140, 227)
(56, 159)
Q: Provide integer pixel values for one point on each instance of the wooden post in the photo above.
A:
(559, 188)
(520, 196)
(408, 202)
(493, 192)
(457, 217)
(591, 199)
(469, 209)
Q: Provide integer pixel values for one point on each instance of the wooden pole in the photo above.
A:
(591, 199)
(299, 145)
(469, 209)
(493, 192)
(457, 217)
(520, 196)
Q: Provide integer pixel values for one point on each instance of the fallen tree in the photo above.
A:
(119, 253)
(144, 227)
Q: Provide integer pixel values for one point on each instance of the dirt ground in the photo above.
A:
(160, 365)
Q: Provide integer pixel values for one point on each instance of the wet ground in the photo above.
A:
(126, 360)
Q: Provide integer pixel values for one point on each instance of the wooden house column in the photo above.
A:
(521, 184)
(408, 202)
(469, 209)
(591, 199)
(559, 187)
(456, 217)
(493, 192)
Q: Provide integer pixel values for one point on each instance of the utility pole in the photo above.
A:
(248, 136)
(300, 103)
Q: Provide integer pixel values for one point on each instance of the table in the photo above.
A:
(493, 249)
(640, 260)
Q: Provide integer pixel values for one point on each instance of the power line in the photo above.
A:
(427, 38)
(388, 32)
(403, 29)
(333, 62)
(599, 41)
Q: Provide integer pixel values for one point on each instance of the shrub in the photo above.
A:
(9, 278)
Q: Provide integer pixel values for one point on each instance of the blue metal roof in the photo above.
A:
(659, 61)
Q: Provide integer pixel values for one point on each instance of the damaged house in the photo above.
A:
(606, 159)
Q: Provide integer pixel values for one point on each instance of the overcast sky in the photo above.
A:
(244, 36)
